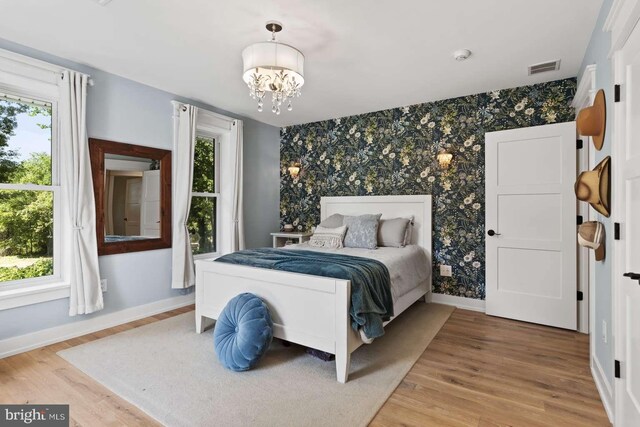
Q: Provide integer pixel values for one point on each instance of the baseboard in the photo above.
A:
(604, 388)
(27, 342)
(459, 302)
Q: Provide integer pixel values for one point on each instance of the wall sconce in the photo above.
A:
(444, 159)
(294, 170)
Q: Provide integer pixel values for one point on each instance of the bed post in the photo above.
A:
(343, 323)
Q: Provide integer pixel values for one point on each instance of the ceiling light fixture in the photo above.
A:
(462, 54)
(273, 67)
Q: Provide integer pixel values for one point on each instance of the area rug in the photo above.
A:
(173, 374)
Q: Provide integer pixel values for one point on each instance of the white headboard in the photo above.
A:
(390, 207)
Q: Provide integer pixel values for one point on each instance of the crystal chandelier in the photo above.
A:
(273, 67)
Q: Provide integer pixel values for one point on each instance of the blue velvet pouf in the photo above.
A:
(243, 332)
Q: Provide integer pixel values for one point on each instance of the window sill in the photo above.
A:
(18, 297)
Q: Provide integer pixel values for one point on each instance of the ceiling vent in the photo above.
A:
(543, 67)
(102, 2)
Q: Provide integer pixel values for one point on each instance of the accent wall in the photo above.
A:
(394, 152)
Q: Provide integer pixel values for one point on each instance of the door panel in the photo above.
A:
(530, 204)
(520, 215)
(626, 169)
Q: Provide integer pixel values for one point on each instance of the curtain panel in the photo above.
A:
(182, 271)
(77, 187)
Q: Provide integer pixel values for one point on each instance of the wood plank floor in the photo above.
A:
(478, 371)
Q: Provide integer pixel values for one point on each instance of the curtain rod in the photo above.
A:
(90, 81)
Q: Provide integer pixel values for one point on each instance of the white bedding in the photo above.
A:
(408, 266)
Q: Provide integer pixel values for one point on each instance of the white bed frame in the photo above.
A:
(310, 310)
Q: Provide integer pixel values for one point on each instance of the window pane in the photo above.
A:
(26, 234)
(204, 165)
(25, 143)
(202, 225)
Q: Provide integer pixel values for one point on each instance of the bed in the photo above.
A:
(310, 310)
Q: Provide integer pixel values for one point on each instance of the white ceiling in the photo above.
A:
(361, 55)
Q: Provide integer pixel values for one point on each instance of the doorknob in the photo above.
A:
(632, 276)
(492, 233)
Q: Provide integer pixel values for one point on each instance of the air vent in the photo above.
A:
(102, 2)
(543, 67)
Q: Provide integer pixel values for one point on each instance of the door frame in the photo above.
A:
(585, 94)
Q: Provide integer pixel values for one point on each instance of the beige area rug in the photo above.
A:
(173, 374)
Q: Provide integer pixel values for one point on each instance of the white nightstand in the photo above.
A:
(283, 238)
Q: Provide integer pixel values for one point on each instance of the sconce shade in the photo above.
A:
(444, 159)
(294, 170)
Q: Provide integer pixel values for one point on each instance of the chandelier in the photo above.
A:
(273, 67)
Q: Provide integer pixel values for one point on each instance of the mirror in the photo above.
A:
(133, 196)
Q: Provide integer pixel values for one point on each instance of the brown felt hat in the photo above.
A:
(591, 234)
(594, 187)
(592, 121)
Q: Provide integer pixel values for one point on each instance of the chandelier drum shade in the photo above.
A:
(274, 67)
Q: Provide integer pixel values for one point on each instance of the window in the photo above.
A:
(29, 192)
(202, 223)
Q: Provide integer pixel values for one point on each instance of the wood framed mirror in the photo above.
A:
(132, 187)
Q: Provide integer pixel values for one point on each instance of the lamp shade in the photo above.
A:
(268, 58)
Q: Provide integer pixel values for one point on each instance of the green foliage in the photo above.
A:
(42, 267)
(201, 223)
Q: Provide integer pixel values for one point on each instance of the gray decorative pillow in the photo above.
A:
(409, 233)
(334, 221)
(328, 237)
(362, 231)
(393, 232)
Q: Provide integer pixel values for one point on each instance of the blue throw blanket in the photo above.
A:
(371, 301)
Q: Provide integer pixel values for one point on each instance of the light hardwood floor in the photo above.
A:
(478, 371)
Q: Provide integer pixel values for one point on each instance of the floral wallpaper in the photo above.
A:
(394, 152)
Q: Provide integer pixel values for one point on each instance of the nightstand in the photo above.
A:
(283, 238)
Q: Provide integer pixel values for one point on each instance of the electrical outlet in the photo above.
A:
(103, 285)
(445, 270)
(604, 331)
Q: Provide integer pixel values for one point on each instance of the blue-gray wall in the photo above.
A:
(597, 53)
(126, 111)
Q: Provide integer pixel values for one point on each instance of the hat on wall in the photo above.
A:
(591, 235)
(593, 187)
(592, 121)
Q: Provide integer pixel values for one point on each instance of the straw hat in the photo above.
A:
(591, 235)
(593, 187)
(592, 121)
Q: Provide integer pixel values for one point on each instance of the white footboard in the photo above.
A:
(308, 310)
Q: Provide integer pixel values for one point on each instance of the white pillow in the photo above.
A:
(328, 237)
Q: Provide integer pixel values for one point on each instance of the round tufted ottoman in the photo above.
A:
(243, 332)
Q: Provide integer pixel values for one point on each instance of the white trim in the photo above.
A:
(459, 302)
(623, 17)
(604, 388)
(27, 342)
(32, 294)
(586, 266)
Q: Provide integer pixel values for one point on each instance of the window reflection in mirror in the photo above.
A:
(132, 198)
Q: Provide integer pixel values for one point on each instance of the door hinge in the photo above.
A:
(616, 231)
(579, 144)
(616, 370)
(616, 93)
(580, 296)
(579, 220)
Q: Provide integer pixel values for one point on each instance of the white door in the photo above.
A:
(531, 224)
(151, 203)
(132, 207)
(626, 169)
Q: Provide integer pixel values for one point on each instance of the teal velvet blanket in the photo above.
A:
(371, 301)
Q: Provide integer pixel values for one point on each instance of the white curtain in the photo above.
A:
(237, 235)
(77, 184)
(183, 274)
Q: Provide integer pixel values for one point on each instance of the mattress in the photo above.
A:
(408, 266)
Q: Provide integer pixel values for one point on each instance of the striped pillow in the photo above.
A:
(328, 237)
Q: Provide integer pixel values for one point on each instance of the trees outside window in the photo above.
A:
(27, 193)
(202, 223)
